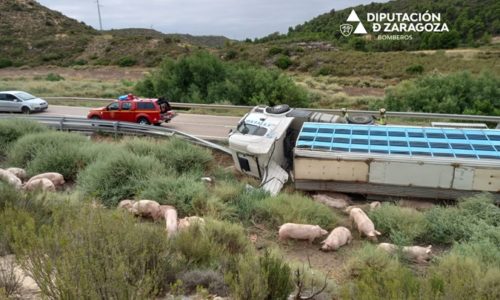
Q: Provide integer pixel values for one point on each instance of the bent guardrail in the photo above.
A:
(416, 115)
(86, 125)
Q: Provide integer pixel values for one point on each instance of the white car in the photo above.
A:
(18, 101)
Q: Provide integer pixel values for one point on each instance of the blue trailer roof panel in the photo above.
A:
(401, 140)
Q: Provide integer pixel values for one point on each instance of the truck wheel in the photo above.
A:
(143, 121)
(360, 119)
(278, 109)
(95, 118)
(26, 110)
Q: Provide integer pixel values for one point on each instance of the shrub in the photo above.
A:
(454, 93)
(66, 159)
(127, 62)
(294, 208)
(115, 178)
(4, 63)
(275, 50)
(374, 275)
(10, 281)
(13, 129)
(248, 281)
(283, 62)
(185, 157)
(54, 77)
(278, 275)
(202, 77)
(96, 254)
(179, 192)
(195, 248)
(403, 225)
(446, 225)
(247, 202)
(415, 69)
(25, 149)
(214, 207)
(212, 280)
(230, 237)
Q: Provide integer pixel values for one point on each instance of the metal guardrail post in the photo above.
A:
(115, 129)
(61, 124)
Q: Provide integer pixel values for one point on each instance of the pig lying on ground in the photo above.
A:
(160, 215)
(339, 237)
(10, 179)
(146, 208)
(416, 253)
(56, 178)
(188, 221)
(300, 232)
(126, 204)
(171, 221)
(42, 183)
(374, 205)
(337, 203)
(18, 172)
(363, 223)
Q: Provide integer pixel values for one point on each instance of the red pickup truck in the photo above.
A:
(146, 111)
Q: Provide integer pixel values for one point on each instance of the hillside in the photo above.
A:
(471, 23)
(31, 34)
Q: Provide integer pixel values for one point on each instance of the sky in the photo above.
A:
(236, 19)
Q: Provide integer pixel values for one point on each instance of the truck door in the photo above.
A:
(126, 114)
(249, 165)
(110, 112)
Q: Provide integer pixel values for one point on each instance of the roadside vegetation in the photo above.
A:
(76, 244)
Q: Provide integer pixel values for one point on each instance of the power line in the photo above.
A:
(99, 13)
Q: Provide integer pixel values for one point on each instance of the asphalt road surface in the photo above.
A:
(203, 126)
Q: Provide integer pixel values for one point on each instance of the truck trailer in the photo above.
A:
(322, 152)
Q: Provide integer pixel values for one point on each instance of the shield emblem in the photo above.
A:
(346, 29)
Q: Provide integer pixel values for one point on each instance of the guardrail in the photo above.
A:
(416, 115)
(86, 125)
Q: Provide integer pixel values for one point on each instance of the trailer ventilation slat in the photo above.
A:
(452, 143)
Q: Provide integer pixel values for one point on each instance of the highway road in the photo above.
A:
(203, 126)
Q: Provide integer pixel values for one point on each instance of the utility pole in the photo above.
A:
(99, 12)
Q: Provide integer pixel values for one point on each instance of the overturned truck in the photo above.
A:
(322, 152)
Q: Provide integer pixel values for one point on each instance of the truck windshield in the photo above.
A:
(251, 129)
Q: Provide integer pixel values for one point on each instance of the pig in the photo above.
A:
(145, 208)
(20, 173)
(171, 221)
(126, 204)
(388, 247)
(188, 221)
(161, 212)
(339, 237)
(42, 183)
(363, 223)
(10, 179)
(374, 205)
(337, 203)
(56, 178)
(418, 254)
(300, 232)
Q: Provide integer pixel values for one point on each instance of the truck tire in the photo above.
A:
(278, 109)
(25, 110)
(360, 119)
(95, 118)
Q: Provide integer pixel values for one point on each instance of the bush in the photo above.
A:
(96, 254)
(248, 281)
(211, 280)
(229, 237)
(446, 225)
(283, 62)
(403, 225)
(4, 63)
(275, 50)
(54, 77)
(115, 178)
(28, 147)
(13, 129)
(179, 192)
(294, 208)
(127, 62)
(66, 159)
(374, 275)
(247, 202)
(459, 93)
(278, 276)
(185, 157)
(204, 78)
(195, 248)
(415, 69)
(10, 281)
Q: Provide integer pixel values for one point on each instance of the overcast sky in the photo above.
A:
(237, 19)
